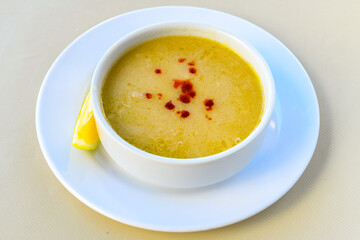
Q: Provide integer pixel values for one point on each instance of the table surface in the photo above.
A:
(323, 204)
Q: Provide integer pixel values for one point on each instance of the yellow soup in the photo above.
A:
(182, 97)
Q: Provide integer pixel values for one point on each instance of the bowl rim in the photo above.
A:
(96, 85)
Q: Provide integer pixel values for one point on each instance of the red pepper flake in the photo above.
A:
(157, 71)
(184, 114)
(160, 95)
(177, 83)
(169, 105)
(184, 98)
(178, 112)
(209, 103)
(148, 95)
(192, 94)
(192, 70)
(191, 63)
(186, 86)
(186, 89)
(208, 117)
(180, 60)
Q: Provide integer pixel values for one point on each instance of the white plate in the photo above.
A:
(94, 179)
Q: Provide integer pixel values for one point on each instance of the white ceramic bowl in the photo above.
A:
(175, 172)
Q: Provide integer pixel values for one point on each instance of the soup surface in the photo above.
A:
(182, 97)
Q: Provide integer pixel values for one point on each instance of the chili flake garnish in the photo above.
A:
(180, 60)
(192, 70)
(186, 86)
(169, 105)
(184, 114)
(158, 71)
(177, 83)
(186, 89)
(148, 95)
(191, 63)
(208, 117)
(160, 95)
(209, 103)
(192, 94)
(184, 98)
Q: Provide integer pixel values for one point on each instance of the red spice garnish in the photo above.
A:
(181, 60)
(208, 103)
(192, 70)
(192, 94)
(169, 105)
(160, 95)
(186, 89)
(186, 86)
(208, 117)
(148, 95)
(177, 83)
(177, 112)
(191, 63)
(158, 71)
(184, 114)
(184, 98)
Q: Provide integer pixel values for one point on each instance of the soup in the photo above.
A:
(182, 97)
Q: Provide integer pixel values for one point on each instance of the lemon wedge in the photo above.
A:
(85, 134)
